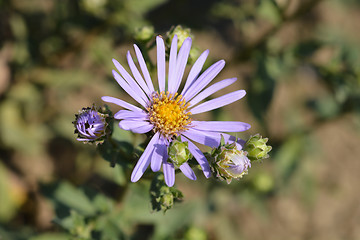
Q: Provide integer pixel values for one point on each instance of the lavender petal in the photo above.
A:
(204, 79)
(210, 90)
(172, 63)
(169, 173)
(216, 138)
(144, 69)
(218, 102)
(181, 63)
(161, 62)
(241, 142)
(159, 154)
(134, 86)
(195, 70)
(202, 137)
(137, 75)
(121, 103)
(126, 114)
(144, 160)
(128, 89)
(221, 126)
(130, 125)
(199, 156)
(187, 171)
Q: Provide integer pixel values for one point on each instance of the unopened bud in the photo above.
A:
(162, 196)
(227, 162)
(181, 32)
(144, 34)
(92, 124)
(179, 152)
(257, 148)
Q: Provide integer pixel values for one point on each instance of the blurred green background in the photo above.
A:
(298, 60)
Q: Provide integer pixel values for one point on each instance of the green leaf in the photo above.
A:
(269, 10)
(74, 198)
(288, 157)
(261, 88)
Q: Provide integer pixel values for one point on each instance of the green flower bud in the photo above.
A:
(181, 32)
(163, 197)
(167, 200)
(227, 162)
(144, 34)
(257, 148)
(179, 152)
(194, 55)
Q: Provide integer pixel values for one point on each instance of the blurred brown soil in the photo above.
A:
(332, 211)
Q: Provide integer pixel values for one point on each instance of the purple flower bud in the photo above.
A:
(92, 124)
(227, 162)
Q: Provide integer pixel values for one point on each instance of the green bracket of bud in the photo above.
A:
(179, 152)
(257, 148)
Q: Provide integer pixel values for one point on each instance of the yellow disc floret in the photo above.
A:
(168, 114)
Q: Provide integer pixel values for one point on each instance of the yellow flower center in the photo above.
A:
(168, 114)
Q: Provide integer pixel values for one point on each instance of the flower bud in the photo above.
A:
(163, 197)
(179, 152)
(144, 34)
(227, 162)
(92, 124)
(181, 32)
(257, 148)
(194, 55)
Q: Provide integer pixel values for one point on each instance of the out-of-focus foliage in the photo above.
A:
(298, 60)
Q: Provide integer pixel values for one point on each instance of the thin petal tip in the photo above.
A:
(207, 174)
(170, 184)
(206, 52)
(188, 39)
(134, 177)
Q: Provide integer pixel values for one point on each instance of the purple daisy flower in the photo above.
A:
(169, 111)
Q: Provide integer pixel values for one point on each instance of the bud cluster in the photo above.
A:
(162, 196)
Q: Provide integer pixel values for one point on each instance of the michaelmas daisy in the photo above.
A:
(168, 111)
